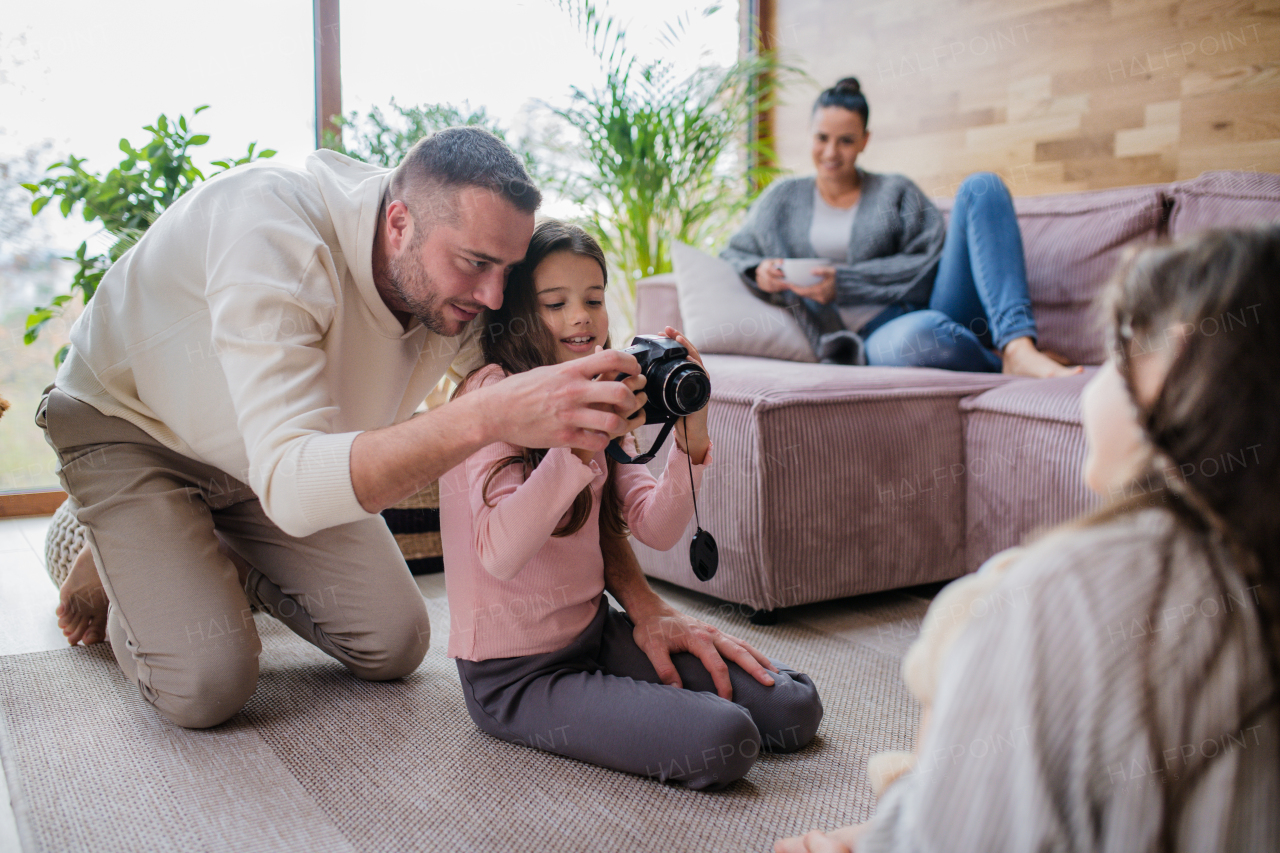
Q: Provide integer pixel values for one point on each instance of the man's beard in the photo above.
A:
(407, 277)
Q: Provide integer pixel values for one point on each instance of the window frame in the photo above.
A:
(21, 504)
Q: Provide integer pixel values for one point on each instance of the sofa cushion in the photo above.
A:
(1217, 199)
(828, 481)
(722, 316)
(1024, 451)
(1055, 400)
(657, 304)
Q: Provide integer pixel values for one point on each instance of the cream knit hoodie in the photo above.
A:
(244, 330)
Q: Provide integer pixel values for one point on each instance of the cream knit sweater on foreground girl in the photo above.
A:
(244, 330)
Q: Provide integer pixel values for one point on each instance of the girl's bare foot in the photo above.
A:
(82, 608)
(1022, 358)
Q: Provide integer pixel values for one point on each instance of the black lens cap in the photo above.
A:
(703, 555)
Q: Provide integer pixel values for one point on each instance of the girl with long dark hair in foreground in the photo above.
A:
(1119, 691)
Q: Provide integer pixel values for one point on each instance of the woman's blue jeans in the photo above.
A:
(979, 299)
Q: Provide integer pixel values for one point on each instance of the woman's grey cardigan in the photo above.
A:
(894, 245)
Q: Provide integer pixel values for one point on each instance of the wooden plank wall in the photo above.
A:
(1054, 95)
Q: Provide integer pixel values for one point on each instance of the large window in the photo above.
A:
(512, 58)
(76, 77)
(506, 55)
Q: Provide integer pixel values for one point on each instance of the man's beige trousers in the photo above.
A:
(180, 623)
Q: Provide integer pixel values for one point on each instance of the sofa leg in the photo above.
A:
(764, 617)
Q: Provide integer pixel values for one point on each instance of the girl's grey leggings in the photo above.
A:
(600, 700)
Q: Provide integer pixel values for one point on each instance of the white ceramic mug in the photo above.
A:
(800, 271)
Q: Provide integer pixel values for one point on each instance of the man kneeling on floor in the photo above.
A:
(235, 410)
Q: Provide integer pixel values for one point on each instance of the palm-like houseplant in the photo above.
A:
(659, 156)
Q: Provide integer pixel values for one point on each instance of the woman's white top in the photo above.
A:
(830, 230)
(829, 234)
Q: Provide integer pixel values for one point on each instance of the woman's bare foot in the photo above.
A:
(82, 607)
(1022, 358)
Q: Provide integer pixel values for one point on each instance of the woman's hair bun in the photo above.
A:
(846, 94)
(849, 85)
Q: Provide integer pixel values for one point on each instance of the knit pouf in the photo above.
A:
(63, 542)
(415, 521)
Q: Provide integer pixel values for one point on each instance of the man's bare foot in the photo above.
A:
(82, 607)
(1022, 358)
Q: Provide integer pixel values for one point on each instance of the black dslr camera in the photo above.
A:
(676, 387)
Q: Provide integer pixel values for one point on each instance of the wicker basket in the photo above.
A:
(415, 522)
(63, 542)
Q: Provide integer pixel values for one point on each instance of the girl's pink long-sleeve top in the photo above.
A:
(513, 588)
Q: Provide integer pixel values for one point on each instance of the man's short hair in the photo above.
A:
(437, 166)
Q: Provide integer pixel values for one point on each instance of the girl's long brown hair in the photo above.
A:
(516, 339)
(1215, 298)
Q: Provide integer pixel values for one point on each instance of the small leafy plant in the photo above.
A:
(126, 200)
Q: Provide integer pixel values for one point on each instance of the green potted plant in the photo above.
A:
(384, 138)
(655, 156)
(125, 200)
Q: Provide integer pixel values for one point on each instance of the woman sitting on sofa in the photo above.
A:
(903, 289)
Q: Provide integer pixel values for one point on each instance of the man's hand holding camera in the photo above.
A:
(691, 431)
(561, 405)
(635, 382)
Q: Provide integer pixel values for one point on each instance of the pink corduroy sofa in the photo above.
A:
(835, 481)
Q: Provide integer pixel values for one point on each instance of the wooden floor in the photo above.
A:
(27, 600)
(27, 596)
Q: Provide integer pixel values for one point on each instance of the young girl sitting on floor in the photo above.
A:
(1129, 699)
(544, 660)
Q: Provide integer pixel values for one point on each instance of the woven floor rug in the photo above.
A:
(320, 761)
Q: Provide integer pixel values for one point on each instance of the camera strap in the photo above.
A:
(704, 556)
(617, 454)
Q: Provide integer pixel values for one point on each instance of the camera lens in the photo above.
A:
(687, 389)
